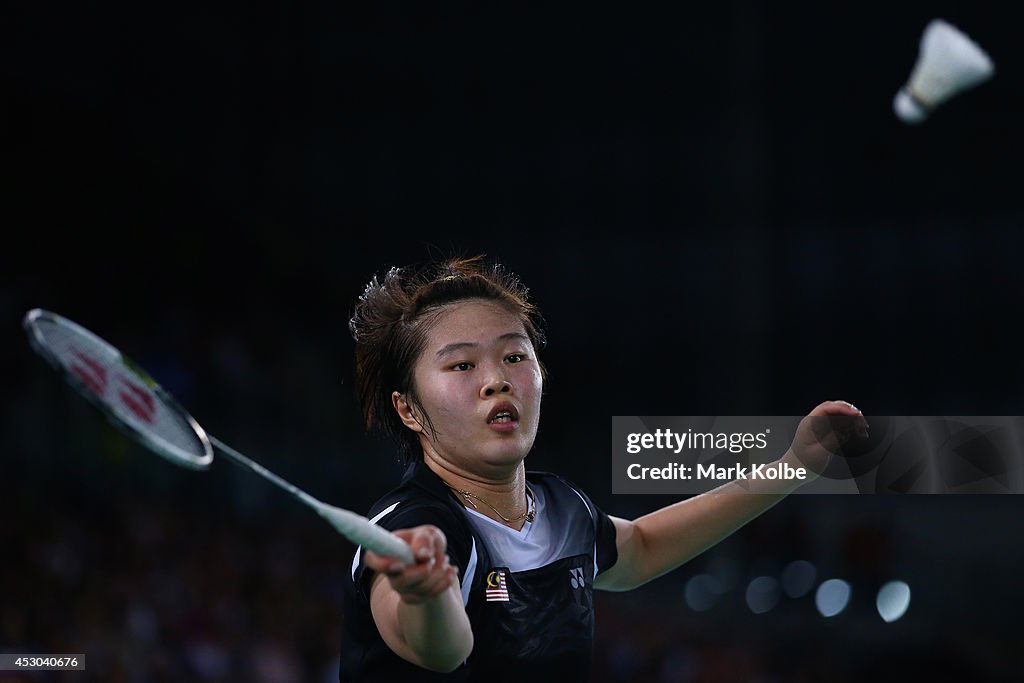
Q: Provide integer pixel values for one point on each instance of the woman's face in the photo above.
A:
(479, 380)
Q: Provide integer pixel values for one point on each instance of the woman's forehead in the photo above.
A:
(473, 321)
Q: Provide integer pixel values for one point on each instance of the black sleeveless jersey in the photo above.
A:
(528, 593)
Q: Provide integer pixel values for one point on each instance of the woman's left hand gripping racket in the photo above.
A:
(135, 403)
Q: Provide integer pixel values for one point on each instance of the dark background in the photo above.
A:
(713, 205)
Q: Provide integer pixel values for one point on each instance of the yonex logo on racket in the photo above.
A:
(138, 400)
(94, 375)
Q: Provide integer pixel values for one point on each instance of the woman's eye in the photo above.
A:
(462, 367)
(515, 358)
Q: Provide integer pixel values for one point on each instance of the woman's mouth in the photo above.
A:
(503, 417)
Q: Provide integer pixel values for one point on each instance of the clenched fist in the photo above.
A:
(432, 573)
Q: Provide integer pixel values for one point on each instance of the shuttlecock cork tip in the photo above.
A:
(948, 63)
(908, 109)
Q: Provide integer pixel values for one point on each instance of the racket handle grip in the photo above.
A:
(361, 531)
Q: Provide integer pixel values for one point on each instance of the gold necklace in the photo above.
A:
(529, 515)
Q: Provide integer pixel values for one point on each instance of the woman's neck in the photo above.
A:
(500, 497)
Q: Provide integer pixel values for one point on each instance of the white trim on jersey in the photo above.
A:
(468, 575)
(597, 570)
(376, 518)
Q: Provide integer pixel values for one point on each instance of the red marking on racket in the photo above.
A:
(138, 400)
(95, 377)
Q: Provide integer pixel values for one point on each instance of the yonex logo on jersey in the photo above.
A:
(496, 591)
(576, 578)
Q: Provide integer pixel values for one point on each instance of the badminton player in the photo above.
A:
(447, 361)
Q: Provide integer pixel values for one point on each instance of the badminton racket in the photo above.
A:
(135, 403)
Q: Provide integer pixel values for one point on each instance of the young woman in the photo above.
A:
(447, 361)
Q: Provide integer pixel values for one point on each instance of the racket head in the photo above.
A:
(122, 390)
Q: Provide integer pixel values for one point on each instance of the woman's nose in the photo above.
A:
(498, 385)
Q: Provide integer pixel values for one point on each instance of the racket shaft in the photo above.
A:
(352, 526)
(359, 530)
(259, 469)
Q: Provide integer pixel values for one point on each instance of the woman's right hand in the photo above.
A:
(429, 577)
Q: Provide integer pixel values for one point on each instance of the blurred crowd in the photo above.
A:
(159, 574)
(151, 590)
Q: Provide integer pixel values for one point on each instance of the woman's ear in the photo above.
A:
(405, 411)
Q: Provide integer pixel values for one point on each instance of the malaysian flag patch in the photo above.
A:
(497, 591)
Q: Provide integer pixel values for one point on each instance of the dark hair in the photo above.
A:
(390, 326)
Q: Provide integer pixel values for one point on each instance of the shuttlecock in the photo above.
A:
(948, 63)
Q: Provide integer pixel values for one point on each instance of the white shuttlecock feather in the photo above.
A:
(948, 63)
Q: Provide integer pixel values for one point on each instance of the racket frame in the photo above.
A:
(162, 447)
(353, 526)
